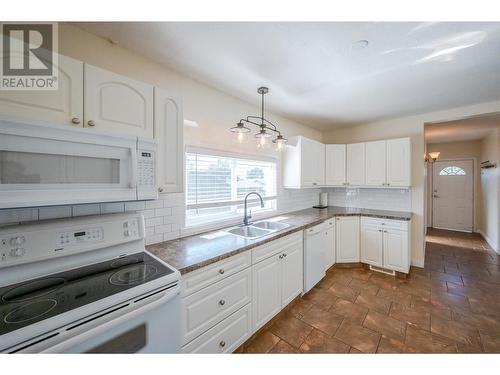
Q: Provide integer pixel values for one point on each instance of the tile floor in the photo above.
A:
(450, 306)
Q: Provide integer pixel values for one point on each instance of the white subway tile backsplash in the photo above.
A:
(111, 208)
(18, 215)
(154, 204)
(86, 209)
(167, 211)
(383, 199)
(135, 206)
(155, 238)
(151, 222)
(148, 213)
(54, 212)
(163, 228)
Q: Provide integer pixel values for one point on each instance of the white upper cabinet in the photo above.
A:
(335, 164)
(168, 129)
(375, 163)
(356, 164)
(117, 104)
(399, 162)
(61, 106)
(304, 163)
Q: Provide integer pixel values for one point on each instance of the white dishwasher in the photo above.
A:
(315, 244)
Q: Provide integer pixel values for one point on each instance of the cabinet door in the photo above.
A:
(399, 162)
(396, 255)
(375, 163)
(61, 106)
(266, 294)
(347, 239)
(371, 245)
(312, 162)
(168, 129)
(117, 104)
(335, 165)
(330, 248)
(356, 164)
(292, 274)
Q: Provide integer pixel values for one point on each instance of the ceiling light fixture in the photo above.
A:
(265, 126)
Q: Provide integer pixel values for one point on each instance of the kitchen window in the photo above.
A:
(217, 183)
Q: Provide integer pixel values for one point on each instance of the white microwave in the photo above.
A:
(45, 165)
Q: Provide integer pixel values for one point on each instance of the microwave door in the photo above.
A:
(42, 172)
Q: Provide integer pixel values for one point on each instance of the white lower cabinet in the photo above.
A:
(385, 243)
(226, 336)
(330, 243)
(347, 239)
(277, 280)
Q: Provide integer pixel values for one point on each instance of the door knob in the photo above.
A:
(75, 120)
(221, 271)
(436, 196)
(222, 302)
(222, 344)
(91, 123)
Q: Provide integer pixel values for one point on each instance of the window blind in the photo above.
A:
(216, 185)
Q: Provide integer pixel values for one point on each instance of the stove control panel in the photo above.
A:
(28, 243)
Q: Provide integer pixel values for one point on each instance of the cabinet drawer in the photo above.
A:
(209, 306)
(199, 279)
(226, 336)
(274, 247)
(387, 223)
(329, 223)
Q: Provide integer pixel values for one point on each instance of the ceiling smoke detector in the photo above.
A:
(359, 45)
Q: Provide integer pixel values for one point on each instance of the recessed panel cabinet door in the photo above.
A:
(117, 104)
(61, 106)
(399, 162)
(356, 164)
(168, 129)
(335, 165)
(371, 245)
(375, 163)
(396, 250)
(292, 271)
(347, 239)
(267, 286)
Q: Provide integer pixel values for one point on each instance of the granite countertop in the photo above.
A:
(190, 253)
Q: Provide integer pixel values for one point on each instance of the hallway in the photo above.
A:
(450, 306)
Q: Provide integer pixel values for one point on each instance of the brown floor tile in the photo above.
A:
(262, 343)
(325, 321)
(344, 292)
(300, 308)
(395, 295)
(485, 324)
(459, 332)
(490, 344)
(282, 347)
(376, 303)
(362, 286)
(357, 336)
(291, 329)
(412, 315)
(388, 345)
(320, 297)
(426, 342)
(319, 342)
(386, 325)
(355, 351)
(450, 300)
(349, 310)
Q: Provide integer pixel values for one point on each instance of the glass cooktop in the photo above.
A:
(31, 301)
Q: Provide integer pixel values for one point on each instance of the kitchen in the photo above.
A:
(137, 191)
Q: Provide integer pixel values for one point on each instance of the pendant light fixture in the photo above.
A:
(266, 127)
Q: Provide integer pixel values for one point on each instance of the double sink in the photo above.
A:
(258, 229)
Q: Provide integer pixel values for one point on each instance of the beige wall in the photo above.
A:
(212, 109)
(458, 150)
(412, 126)
(490, 190)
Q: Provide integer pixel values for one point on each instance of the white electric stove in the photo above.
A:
(86, 285)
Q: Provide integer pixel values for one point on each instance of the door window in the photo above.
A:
(452, 171)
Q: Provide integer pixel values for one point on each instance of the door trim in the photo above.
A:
(473, 193)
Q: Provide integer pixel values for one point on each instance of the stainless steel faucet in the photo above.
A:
(248, 216)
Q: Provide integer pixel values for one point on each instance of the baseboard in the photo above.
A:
(493, 245)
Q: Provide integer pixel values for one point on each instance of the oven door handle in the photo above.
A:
(101, 328)
(133, 167)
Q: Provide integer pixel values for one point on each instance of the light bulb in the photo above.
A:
(262, 142)
(240, 137)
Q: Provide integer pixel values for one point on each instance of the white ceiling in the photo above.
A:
(314, 74)
(462, 130)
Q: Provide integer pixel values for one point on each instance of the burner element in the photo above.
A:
(33, 289)
(30, 311)
(125, 261)
(133, 274)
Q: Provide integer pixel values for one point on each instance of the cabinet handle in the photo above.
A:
(160, 189)
(284, 255)
(281, 256)
(380, 230)
(385, 231)
(75, 120)
(222, 344)
(222, 302)
(91, 123)
(221, 271)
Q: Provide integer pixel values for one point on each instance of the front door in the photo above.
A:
(452, 194)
